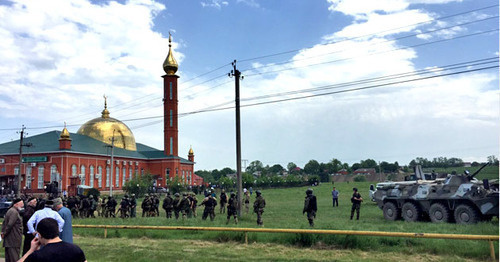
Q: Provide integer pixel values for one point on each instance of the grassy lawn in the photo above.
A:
(284, 210)
(144, 249)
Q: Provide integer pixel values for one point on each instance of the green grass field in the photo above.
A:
(284, 210)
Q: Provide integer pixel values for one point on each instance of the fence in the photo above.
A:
(489, 238)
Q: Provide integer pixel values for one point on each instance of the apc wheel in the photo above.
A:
(391, 211)
(439, 213)
(410, 212)
(465, 214)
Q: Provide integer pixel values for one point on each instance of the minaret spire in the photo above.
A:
(170, 66)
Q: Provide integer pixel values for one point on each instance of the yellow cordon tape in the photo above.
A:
(489, 238)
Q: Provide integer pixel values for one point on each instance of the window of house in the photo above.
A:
(82, 171)
(91, 176)
(40, 177)
(28, 177)
(99, 180)
(107, 176)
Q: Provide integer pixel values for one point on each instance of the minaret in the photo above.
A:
(170, 103)
(64, 140)
(191, 155)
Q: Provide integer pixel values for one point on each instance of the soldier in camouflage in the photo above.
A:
(356, 200)
(310, 206)
(232, 206)
(258, 207)
(168, 205)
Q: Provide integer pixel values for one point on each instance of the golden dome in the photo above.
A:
(170, 65)
(104, 128)
(64, 134)
(191, 151)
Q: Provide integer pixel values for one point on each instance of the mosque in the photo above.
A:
(100, 146)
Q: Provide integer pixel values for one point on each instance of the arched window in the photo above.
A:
(82, 172)
(74, 171)
(91, 176)
(28, 177)
(99, 180)
(53, 172)
(124, 175)
(117, 176)
(130, 173)
(16, 170)
(40, 177)
(107, 176)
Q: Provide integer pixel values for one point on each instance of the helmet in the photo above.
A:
(176, 194)
(309, 191)
(258, 192)
(233, 194)
(184, 194)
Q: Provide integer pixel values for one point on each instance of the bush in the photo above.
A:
(359, 178)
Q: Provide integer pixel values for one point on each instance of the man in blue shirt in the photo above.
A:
(41, 214)
(67, 232)
(335, 197)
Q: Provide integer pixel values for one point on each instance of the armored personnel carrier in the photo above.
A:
(457, 198)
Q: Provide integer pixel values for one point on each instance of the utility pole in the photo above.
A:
(21, 144)
(112, 164)
(237, 75)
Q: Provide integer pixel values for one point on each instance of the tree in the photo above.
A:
(368, 163)
(255, 166)
(312, 168)
(291, 166)
(139, 185)
(493, 160)
(276, 169)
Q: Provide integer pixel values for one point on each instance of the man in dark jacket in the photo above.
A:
(310, 206)
(28, 212)
(232, 206)
(12, 231)
(356, 200)
(258, 207)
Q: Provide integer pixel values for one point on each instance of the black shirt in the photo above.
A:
(58, 252)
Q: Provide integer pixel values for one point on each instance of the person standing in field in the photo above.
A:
(258, 207)
(310, 206)
(247, 201)
(356, 200)
(223, 201)
(12, 231)
(231, 208)
(335, 197)
(209, 202)
(168, 205)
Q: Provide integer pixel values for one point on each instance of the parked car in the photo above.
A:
(161, 190)
(4, 206)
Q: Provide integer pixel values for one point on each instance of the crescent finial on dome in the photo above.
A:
(105, 112)
(170, 65)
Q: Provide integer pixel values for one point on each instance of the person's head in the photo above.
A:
(334, 188)
(355, 189)
(47, 229)
(49, 203)
(233, 195)
(258, 192)
(58, 203)
(18, 203)
(309, 191)
(32, 202)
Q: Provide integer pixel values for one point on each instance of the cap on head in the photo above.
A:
(354, 189)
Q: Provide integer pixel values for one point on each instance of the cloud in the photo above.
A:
(48, 52)
(218, 4)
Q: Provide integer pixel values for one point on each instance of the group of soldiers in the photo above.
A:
(85, 207)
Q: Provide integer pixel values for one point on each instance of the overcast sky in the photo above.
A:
(323, 79)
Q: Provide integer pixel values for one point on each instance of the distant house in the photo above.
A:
(365, 171)
(257, 173)
(467, 164)
(232, 176)
(342, 172)
(197, 180)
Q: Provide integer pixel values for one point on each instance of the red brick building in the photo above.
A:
(86, 155)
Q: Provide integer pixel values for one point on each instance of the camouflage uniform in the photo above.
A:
(184, 206)
(232, 205)
(176, 205)
(247, 201)
(133, 206)
(209, 203)
(310, 206)
(168, 205)
(111, 206)
(356, 200)
(194, 203)
(223, 201)
(124, 207)
(258, 207)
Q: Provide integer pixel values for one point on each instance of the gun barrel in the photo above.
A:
(479, 170)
